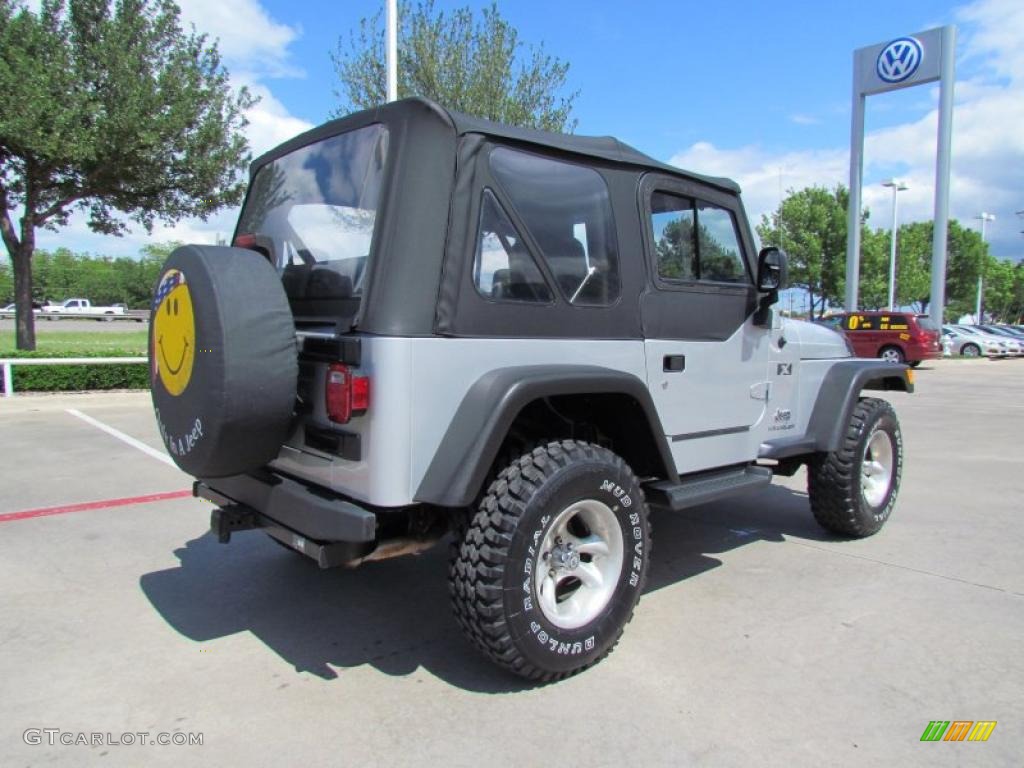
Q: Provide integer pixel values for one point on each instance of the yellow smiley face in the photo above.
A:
(174, 337)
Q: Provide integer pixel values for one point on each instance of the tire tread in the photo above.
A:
(480, 550)
(832, 478)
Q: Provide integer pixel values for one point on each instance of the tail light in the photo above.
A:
(346, 395)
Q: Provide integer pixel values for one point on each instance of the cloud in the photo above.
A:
(801, 119)
(988, 143)
(254, 48)
(248, 38)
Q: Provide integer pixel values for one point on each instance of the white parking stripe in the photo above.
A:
(159, 455)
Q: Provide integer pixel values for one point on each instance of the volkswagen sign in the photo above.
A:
(899, 60)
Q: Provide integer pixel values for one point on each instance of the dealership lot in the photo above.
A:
(760, 641)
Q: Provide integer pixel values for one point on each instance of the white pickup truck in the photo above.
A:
(81, 307)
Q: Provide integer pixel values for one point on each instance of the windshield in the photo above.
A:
(313, 213)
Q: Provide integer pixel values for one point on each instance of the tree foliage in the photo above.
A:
(810, 225)
(110, 109)
(467, 63)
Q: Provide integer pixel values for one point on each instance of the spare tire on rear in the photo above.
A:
(223, 360)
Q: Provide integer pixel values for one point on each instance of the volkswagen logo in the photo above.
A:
(899, 60)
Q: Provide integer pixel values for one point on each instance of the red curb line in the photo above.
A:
(46, 511)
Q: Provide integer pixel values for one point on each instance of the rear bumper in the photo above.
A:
(924, 352)
(275, 500)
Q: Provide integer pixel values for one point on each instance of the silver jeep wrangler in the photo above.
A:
(431, 325)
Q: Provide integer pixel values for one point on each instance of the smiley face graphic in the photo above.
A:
(174, 332)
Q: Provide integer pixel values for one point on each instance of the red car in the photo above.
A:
(896, 336)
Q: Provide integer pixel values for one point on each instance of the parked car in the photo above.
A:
(83, 307)
(972, 344)
(1012, 347)
(894, 336)
(1007, 331)
(1014, 341)
(36, 307)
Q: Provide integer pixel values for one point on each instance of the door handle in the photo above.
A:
(674, 363)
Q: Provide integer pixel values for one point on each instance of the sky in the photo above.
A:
(759, 92)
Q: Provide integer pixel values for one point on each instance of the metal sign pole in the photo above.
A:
(937, 303)
(923, 57)
(853, 205)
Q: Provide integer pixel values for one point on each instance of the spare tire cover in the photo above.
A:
(223, 360)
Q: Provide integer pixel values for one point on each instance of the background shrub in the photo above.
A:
(73, 378)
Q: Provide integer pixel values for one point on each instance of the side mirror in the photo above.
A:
(772, 269)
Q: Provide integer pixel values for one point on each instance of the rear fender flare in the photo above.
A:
(476, 432)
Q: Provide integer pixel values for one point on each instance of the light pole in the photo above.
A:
(985, 218)
(897, 186)
(391, 50)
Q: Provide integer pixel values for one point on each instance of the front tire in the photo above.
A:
(546, 576)
(970, 350)
(852, 491)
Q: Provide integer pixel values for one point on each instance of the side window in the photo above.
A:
(695, 240)
(675, 244)
(503, 268)
(893, 323)
(568, 212)
(720, 255)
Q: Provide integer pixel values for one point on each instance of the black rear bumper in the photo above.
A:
(328, 528)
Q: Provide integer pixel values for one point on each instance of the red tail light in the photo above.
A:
(345, 395)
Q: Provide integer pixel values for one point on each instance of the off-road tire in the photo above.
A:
(491, 570)
(834, 479)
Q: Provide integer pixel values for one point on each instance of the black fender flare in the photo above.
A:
(837, 397)
(471, 443)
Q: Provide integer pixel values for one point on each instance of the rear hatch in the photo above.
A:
(313, 213)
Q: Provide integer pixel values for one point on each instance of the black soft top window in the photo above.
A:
(314, 210)
(568, 214)
(696, 240)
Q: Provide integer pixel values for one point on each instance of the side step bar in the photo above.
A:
(707, 486)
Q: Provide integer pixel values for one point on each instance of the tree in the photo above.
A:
(914, 265)
(477, 66)
(874, 270)
(112, 110)
(810, 225)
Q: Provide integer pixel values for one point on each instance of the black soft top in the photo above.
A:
(418, 109)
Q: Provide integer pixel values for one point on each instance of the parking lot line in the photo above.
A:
(89, 505)
(159, 455)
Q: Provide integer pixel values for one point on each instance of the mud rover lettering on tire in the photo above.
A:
(547, 531)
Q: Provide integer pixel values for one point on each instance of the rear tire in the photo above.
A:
(853, 490)
(546, 574)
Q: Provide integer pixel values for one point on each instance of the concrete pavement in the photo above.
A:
(761, 640)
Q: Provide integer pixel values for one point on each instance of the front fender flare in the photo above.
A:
(837, 396)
